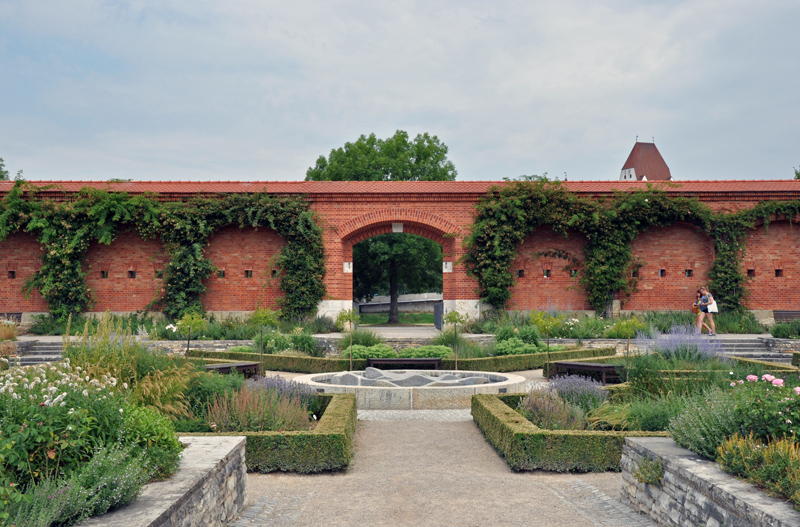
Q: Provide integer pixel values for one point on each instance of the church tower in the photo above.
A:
(645, 164)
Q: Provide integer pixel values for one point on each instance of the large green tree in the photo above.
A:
(3, 171)
(391, 263)
(391, 159)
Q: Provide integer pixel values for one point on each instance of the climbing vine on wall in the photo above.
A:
(65, 230)
(508, 214)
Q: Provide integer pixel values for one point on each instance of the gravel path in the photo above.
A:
(433, 468)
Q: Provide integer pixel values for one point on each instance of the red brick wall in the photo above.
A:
(558, 291)
(129, 253)
(235, 251)
(777, 247)
(673, 249)
(19, 253)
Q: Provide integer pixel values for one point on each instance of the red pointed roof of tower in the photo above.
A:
(646, 160)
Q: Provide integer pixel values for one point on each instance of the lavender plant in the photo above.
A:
(681, 343)
(546, 409)
(583, 392)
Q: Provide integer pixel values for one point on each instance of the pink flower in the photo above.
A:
(752, 378)
(777, 382)
(797, 390)
(767, 377)
(733, 384)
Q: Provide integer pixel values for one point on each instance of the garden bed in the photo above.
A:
(772, 366)
(527, 447)
(329, 446)
(505, 363)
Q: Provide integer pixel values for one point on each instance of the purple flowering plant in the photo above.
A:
(580, 391)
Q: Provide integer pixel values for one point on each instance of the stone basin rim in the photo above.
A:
(421, 397)
(494, 379)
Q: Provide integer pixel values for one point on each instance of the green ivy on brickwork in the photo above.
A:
(510, 213)
(65, 230)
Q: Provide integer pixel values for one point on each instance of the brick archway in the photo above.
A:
(407, 221)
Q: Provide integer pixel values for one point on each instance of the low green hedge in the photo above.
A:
(527, 447)
(329, 446)
(505, 363)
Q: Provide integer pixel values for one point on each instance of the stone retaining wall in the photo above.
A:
(781, 345)
(695, 491)
(209, 489)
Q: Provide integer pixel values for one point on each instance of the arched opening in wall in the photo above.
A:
(428, 261)
(397, 278)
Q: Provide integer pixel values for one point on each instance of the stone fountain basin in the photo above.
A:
(418, 397)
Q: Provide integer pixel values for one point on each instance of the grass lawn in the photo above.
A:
(371, 319)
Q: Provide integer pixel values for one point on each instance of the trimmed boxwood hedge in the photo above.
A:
(527, 447)
(329, 446)
(505, 363)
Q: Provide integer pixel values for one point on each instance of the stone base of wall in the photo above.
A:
(695, 491)
(209, 489)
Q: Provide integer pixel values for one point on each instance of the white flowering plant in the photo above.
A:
(52, 419)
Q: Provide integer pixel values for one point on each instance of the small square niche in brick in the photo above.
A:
(778, 273)
(751, 273)
(221, 274)
(12, 275)
(103, 274)
(131, 274)
(662, 273)
(248, 273)
(520, 273)
(547, 273)
(689, 273)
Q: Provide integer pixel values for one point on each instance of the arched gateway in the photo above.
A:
(350, 212)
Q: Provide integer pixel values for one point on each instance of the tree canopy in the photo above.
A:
(395, 158)
(391, 263)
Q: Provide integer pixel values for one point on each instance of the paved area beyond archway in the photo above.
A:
(433, 468)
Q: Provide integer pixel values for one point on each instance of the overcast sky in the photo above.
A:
(257, 90)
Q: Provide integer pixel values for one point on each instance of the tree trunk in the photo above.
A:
(394, 310)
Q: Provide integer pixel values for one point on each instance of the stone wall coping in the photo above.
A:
(723, 487)
(160, 500)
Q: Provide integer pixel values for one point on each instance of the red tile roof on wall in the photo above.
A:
(646, 161)
(463, 188)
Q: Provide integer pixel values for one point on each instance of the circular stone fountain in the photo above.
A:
(413, 389)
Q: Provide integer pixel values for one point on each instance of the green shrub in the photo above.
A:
(515, 346)
(205, 386)
(786, 330)
(110, 479)
(362, 337)
(466, 348)
(155, 436)
(306, 343)
(581, 392)
(43, 434)
(378, 351)
(546, 409)
(274, 342)
(256, 410)
(774, 466)
(423, 352)
(321, 324)
(649, 471)
(706, 421)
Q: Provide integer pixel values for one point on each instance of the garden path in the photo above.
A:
(433, 468)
